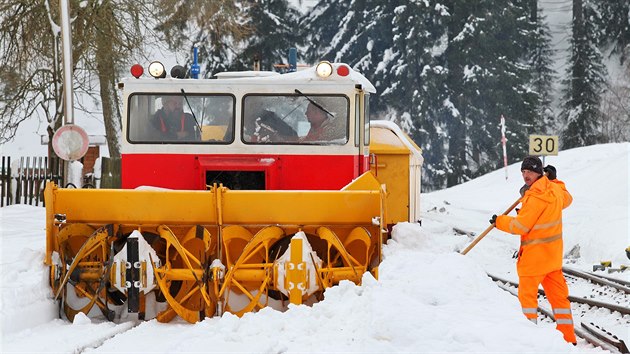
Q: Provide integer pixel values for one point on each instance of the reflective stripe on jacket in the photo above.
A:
(164, 128)
(539, 222)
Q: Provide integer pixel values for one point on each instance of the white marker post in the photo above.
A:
(503, 142)
(70, 142)
(66, 40)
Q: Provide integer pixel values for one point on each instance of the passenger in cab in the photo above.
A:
(539, 223)
(322, 127)
(173, 123)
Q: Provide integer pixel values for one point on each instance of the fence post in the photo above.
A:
(30, 178)
(39, 179)
(2, 183)
(18, 182)
(11, 198)
(5, 197)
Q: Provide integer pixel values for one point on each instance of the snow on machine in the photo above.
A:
(243, 200)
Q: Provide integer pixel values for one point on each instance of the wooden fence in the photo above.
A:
(24, 182)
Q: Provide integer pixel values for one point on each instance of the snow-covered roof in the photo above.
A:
(353, 78)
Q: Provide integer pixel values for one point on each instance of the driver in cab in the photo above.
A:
(172, 122)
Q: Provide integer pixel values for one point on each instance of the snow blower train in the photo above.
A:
(248, 190)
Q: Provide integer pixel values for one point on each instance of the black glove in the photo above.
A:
(523, 189)
(493, 220)
(550, 171)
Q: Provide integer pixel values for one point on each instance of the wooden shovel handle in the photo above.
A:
(483, 234)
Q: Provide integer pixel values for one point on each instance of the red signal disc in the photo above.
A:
(343, 70)
(70, 142)
(137, 70)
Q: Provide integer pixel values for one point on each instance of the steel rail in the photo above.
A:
(596, 279)
(606, 336)
(587, 336)
(616, 280)
(109, 334)
(613, 307)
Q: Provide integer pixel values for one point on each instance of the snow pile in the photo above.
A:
(428, 298)
(425, 301)
(26, 297)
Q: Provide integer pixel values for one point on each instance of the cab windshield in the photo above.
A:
(178, 118)
(295, 119)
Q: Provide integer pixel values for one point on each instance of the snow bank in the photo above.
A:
(428, 298)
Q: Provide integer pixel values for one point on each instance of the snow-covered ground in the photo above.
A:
(429, 298)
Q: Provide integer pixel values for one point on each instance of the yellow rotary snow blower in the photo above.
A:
(205, 252)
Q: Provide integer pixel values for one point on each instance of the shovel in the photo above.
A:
(483, 234)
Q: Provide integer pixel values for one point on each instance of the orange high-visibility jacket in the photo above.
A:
(539, 222)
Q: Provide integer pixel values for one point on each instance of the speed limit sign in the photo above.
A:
(543, 145)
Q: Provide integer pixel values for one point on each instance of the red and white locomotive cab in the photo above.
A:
(251, 130)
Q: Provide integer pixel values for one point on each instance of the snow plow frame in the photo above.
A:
(230, 226)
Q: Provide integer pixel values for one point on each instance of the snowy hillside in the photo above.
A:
(429, 298)
(597, 177)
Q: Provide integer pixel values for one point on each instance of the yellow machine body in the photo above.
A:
(209, 251)
(396, 162)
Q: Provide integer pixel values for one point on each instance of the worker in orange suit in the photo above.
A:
(539, 222)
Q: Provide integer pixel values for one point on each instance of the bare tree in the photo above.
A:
(184, 21)
(217, 27)
(30, 75)
(106, 34)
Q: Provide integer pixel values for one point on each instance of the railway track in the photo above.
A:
(95, 342)
(591, 332)
(615, 292)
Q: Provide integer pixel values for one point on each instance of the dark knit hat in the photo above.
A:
(532, 163)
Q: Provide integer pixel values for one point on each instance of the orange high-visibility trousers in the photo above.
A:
(557, 293)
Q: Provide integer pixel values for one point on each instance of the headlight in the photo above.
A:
(324, 69)
(156, 69)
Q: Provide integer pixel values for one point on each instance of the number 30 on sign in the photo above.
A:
(543, 145)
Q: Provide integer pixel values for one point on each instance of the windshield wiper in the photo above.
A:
(191, 110)
(314, 103)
